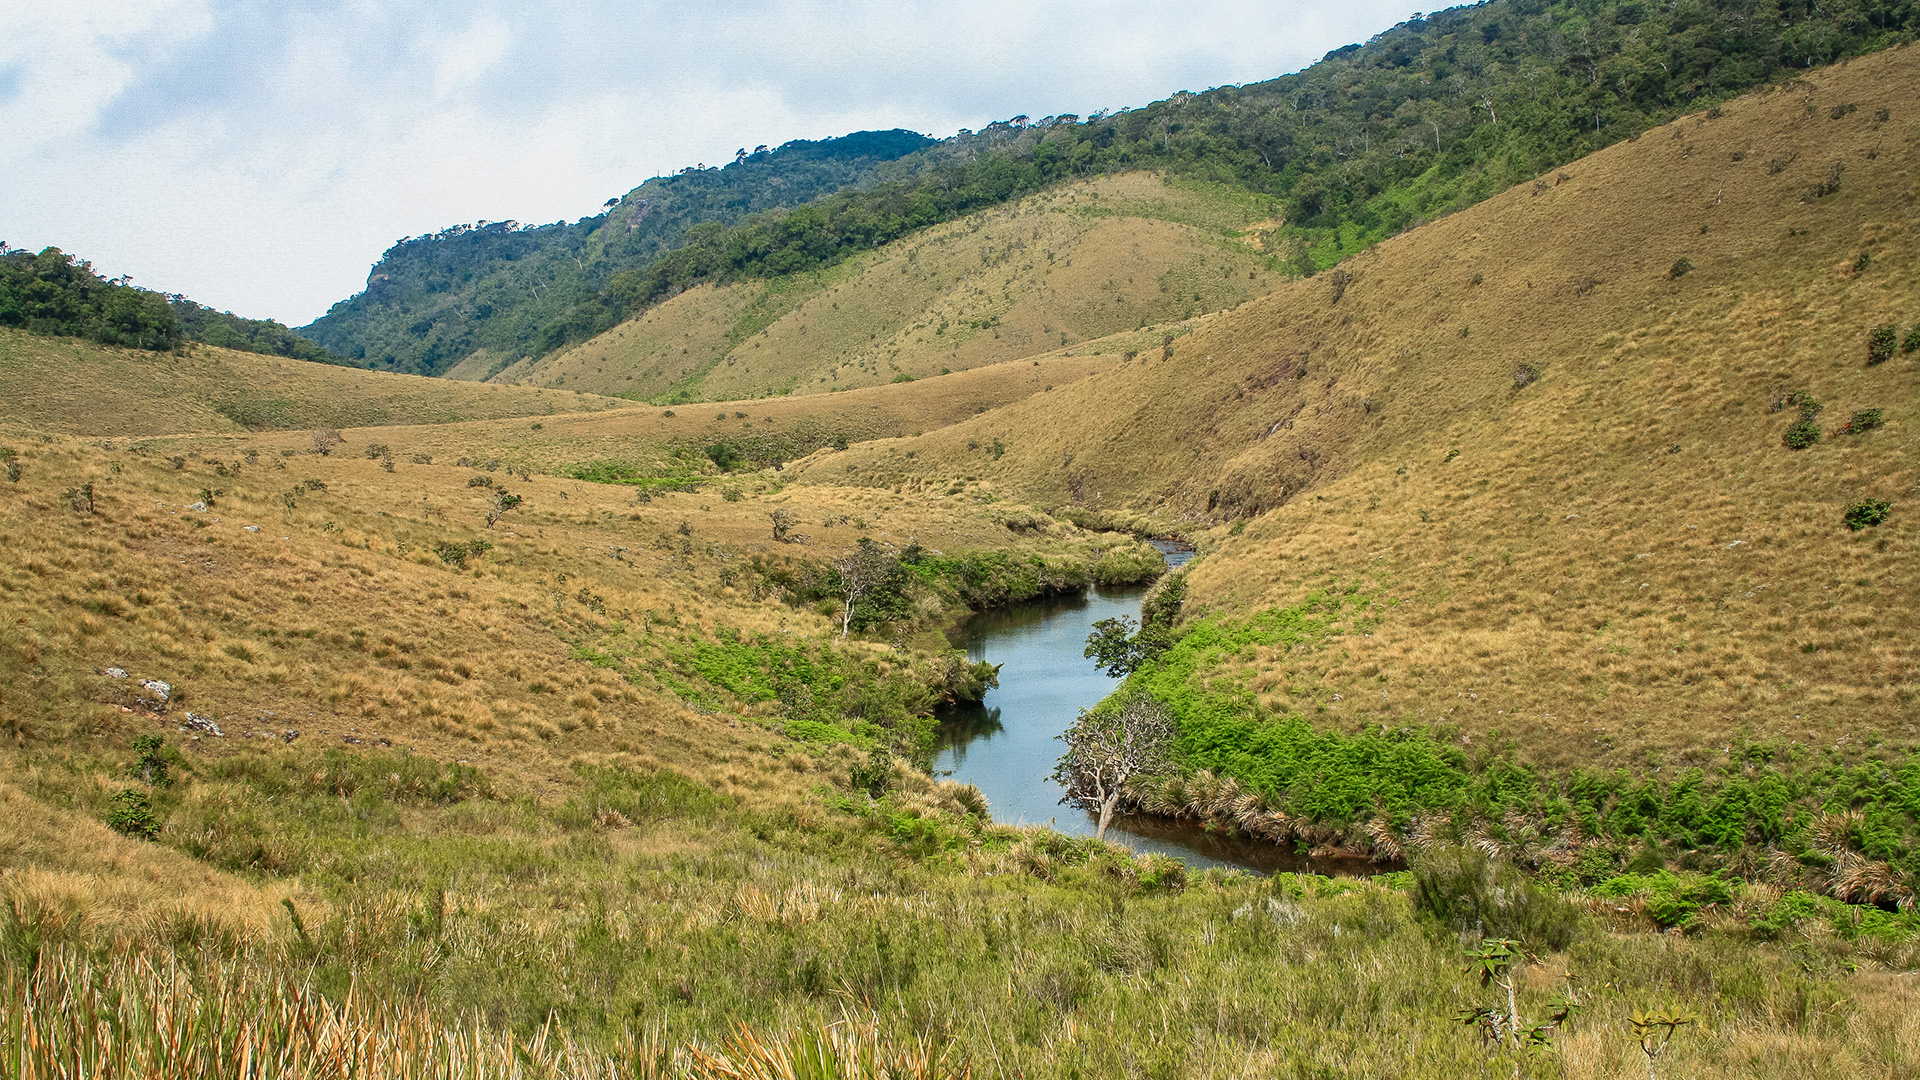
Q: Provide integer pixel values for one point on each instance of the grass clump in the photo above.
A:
(1866, 420)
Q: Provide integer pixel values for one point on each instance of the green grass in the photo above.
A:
(644, 901)
(1771, 794)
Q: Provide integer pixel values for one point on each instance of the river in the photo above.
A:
(1006, 746)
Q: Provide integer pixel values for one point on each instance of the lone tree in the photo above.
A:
(859, 573)
(783, 522)
(324, 440)
(502, 502)
(1105, 750)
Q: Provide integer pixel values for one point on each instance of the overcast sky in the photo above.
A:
(258, 156)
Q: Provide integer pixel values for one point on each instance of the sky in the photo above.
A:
(259, 156)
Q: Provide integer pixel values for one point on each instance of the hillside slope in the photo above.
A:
(1083, 261)
(1615, 563)
(1423, 119)
(72, 386)
(433, 301)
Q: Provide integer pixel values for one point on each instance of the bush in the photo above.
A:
(1802, 433)
(872, 775)
(1880, 343)
(131, 812)
(1912, 344)
(1465, 891)
(1867, 513)
(152, 765)
(1672, 900)
(1865, 420)
(1525, 375)
(1681, 268)
(456, 554)
(480, 481)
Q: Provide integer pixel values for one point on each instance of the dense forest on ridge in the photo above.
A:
(52, 292)
(1431, 116)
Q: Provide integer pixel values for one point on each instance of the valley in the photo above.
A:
(1544, 674)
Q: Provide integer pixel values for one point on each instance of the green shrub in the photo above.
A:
(872, 775)
(817, 731)
(131, 812)
(1912, 343)
(1881, 341)
(1783, 914)
(152, 766)
(1525, 375)
(1865, 420)
(456, 554)
(1867, 513)
(1681, 268)
(1802, 433)
(1468, 893)
(1673, 900)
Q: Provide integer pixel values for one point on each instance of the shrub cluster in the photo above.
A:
(1881, 341)
(1866, 513)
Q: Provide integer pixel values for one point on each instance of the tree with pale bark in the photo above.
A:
(1107, 749)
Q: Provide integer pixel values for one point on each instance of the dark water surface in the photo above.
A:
(1006, 745)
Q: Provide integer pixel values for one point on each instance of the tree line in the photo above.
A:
(1425, 119)
(52, 292)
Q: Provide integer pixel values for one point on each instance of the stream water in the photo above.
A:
(1006, 746)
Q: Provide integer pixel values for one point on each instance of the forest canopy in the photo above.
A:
(52, 292)
(1431, 116)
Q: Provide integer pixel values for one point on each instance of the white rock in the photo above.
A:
(115, 673)
(158, 689)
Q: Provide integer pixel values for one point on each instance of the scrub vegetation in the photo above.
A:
(430, 729)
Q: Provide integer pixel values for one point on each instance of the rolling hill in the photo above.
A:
(1542, 440)
(72, 386)
(1086, 261)
(1424, 119)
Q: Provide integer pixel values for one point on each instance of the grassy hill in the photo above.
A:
(1543, 457)
(514, 737)
(434, 301)
(72, 386)
(1086, 261)
(1423, 119)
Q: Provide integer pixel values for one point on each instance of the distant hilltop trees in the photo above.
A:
(1424, 119)
(52, 292)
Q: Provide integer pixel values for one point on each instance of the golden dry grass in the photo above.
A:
(334, 616)
(1084, 261)
(645, 435)
(1623, 560)
(66, 385)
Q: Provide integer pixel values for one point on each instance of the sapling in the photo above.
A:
(1655, 1030)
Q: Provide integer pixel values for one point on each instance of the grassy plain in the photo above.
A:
(71, 386)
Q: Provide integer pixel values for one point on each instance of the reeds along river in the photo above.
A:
(1006, 746)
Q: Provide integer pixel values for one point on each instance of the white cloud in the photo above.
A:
(461, 61)
(259, 154)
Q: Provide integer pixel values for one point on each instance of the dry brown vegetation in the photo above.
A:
(1058, 269)
(1608, 557)
(71, 386)
(1619, 559)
